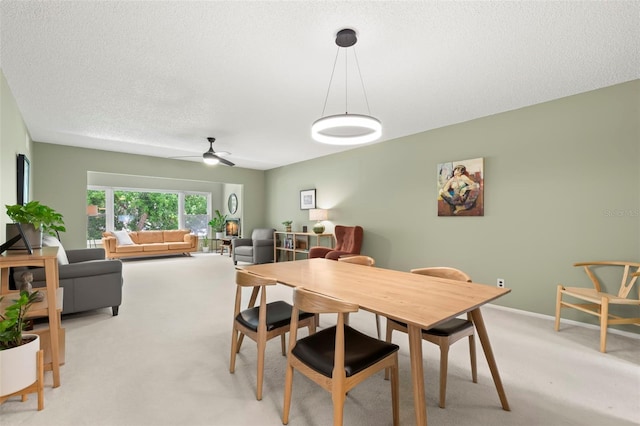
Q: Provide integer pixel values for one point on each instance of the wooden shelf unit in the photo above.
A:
(295, 245)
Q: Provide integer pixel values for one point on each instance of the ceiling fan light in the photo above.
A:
(346, 129)
(210, 159)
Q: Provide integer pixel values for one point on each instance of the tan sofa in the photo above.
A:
(151, 243)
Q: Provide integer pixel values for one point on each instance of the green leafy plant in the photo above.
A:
(217, 223)
(12, 322)
(287, 222)
(40, 216)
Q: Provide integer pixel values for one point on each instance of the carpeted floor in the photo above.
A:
(165, 361)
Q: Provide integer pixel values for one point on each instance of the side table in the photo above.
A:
(226, 243)
(50, 306)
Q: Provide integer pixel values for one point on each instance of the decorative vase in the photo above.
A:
(19, 367)
(34, 236)
(318, 228)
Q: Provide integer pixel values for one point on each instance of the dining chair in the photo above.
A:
(337, 358)
(263, 322)
(598, 301)
(367, 261)
(445, 334)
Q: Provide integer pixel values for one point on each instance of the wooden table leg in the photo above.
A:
(51, 276)
(478, 321)
(417, 373)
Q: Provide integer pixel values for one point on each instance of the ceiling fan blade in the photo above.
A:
(225, 162)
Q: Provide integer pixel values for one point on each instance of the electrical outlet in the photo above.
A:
(500, 282)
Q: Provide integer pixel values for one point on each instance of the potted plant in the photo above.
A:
(217, 224)
(17, 350)
(35, 219)
(287, 224)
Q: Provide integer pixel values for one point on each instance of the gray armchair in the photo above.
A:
(89, 280)
(257, 249)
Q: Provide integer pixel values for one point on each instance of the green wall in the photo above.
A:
(14, 140)
(562, 185)
(60, 180)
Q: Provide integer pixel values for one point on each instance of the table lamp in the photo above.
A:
(319, 215)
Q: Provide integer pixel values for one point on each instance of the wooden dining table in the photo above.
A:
(420, 301)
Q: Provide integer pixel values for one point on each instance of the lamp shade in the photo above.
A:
(318, 214)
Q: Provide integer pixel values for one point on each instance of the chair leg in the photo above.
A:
(338, 395)
(558, 306)
(378, 326)
(604, 322)
(283, 344)
(472, 355)
(288, 385)
(234, 350)
(444, 363)
(262, 344)
(395, 391)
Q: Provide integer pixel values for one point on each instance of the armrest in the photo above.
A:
(82, 255)
(262, 243)
(81, 269)
(237, 242)
(109, 244)
(318, 251)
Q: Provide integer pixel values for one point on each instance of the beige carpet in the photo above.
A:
(164, 361)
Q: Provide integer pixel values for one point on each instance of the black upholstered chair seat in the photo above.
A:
(278, 315)
(361, 351)
(447, 328)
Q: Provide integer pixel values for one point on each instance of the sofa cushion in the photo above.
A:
(123, 238)
(148, 237)
(155, 247)
(179, 246)
(51, 241)
(134, 248)
(176, 235)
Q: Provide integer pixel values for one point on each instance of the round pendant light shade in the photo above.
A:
(346, 129)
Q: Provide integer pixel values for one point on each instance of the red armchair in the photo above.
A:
(348, 242)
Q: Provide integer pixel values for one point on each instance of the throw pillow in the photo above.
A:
(51, 241)
(123, 238)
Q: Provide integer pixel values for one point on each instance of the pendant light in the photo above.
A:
(346, 129)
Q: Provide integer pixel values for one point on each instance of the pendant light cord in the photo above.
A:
(366, 99)
(346, 85)
(326, 98)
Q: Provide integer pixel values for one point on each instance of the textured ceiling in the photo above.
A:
(156, 78)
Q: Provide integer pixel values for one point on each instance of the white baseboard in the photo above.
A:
(562, 320)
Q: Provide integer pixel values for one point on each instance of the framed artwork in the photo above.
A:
(461, 188)
(308, 199)
(232, 227)
(23, 168)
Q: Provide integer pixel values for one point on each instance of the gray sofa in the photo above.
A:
(257, 249)
(89, 281)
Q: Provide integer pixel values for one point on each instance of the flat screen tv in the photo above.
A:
(23, 179)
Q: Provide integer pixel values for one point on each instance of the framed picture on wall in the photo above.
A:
(23, 179)
(307, 199)
(461, 188)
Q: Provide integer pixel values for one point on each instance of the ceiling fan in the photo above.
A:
(211, 157)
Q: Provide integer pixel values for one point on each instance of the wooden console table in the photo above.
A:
(50, 306)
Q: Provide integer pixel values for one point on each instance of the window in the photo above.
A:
(109, 209)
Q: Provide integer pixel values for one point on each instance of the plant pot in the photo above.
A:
(205, 249)
(19, 367)
(34, 236)
(288, 229)
(219, 235)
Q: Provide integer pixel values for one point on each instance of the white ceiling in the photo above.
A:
(156, 78)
